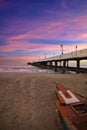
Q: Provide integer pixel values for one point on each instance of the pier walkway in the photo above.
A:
(62, 61)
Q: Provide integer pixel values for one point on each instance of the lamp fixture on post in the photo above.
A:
(76, 48)
(61, 49)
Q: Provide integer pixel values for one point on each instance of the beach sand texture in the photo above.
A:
(27, 101)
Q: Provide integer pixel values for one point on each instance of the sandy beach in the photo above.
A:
(27, 101)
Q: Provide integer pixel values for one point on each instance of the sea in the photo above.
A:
(24, 69)
(32, 69)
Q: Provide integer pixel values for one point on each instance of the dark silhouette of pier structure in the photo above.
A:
(61, 62)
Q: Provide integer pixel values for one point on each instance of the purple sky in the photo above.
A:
(31, 29)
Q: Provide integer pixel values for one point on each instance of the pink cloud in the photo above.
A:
(15, 45)
(17, 37)
(29, 47)
(73, 29)
(17, 60)
(26, 46)
(69, 48)
(83, 36)
(16, 25)
(23, 59)
(51, 30)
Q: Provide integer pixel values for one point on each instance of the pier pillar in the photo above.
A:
(64, 63)
(43, 64)
(67, 64)
(51, 63)
(55, 66)
(78, 63)
(60, 63)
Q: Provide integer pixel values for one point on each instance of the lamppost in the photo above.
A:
(76, 48)
(61, 49)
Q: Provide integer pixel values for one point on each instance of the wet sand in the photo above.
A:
(27, 100)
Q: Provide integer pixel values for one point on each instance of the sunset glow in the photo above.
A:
(31, 29)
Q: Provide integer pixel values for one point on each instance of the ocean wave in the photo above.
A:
(27, 69)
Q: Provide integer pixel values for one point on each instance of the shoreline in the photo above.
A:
(28, 99)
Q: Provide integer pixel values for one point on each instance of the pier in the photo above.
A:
(61, 62)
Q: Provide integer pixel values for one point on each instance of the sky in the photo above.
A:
(33, 29)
